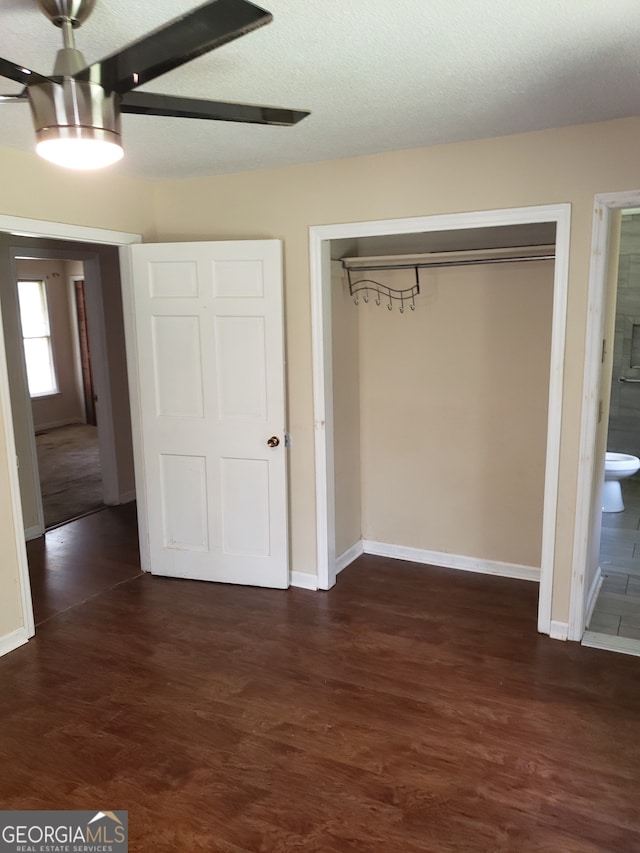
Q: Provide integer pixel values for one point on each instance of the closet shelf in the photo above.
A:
(466, 257)
(369, 287)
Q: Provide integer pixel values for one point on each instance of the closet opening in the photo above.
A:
(438, 392)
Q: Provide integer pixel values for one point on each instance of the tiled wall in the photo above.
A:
(624, 416)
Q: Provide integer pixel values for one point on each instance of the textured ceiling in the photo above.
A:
(377, 75)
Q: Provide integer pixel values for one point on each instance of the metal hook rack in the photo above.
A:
(369, 286)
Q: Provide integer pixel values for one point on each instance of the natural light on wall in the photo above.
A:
(36, 336)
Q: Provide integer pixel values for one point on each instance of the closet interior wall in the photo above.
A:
(440, 414)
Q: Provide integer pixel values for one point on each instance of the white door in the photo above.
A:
(210, 373)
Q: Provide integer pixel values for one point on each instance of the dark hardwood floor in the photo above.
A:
(409, 709)
(77, 561)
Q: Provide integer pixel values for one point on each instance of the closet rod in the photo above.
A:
(461, 263)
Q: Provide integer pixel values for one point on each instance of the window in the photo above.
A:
(36, 336)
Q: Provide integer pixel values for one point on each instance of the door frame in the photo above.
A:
(320, 271)
(582, 598)
(43, 230)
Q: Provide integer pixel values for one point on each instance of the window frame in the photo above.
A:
(55, 389)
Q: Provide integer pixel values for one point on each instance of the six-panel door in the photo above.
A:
(210, 357)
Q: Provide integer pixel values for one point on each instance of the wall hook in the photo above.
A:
(368, 286)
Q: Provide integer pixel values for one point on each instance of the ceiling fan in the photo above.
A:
(76, 111)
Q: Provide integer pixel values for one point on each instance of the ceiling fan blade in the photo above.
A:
(20, 74)
(150, 103)
(181, 40)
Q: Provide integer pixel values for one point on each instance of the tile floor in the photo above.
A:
(617, 610)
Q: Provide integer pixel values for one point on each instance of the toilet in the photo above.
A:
(617, 466)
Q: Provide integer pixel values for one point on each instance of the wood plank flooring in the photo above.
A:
(69, 471)
(72, 563)
(409, 709)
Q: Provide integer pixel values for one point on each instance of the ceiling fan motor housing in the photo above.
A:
(74, 109)
(75, 12)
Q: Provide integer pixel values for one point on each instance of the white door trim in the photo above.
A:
(131, 350)
(319, 237)
(43, 230)
(16, 505)
(61, 231)
(37, 529)
(605, 203)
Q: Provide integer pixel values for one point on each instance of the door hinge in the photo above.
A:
(604, 350)
(287, 439)
(599, 410)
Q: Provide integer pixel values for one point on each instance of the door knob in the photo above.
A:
(274, 441)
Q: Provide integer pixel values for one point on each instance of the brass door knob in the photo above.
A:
(274, 441)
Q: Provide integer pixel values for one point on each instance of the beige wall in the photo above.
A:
(35, 189)
(454, 401)
(561, 165)
(66, 406)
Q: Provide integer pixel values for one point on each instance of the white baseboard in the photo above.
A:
(623, 645)
(451, 561)
(55, 424)
(596, 585)
(34, 532)
(303, 580)
(13, 641)
(558, 630)
(128, 497)
(349, 556)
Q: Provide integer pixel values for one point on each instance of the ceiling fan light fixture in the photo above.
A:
(76, 112)
(82, 148)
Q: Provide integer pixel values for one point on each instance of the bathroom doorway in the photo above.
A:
(615, 618)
